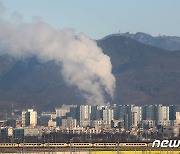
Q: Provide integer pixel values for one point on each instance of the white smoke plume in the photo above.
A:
(84, 65)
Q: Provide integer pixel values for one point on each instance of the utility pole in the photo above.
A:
(118, 147)
(71, 146)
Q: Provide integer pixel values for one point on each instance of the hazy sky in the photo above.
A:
(98, 18)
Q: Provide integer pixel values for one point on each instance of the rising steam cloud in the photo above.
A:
(84, 65)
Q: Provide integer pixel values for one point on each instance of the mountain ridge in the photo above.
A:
(170, 43)
(144, 74)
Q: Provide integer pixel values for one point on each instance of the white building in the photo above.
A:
(108, 115)
(33, 117)
(177, 121)
(162, 114)
(24, 121)
(69, 123)
(29, 118)
(134, 119)
(138, 111)
(10, 131)
(85, 115)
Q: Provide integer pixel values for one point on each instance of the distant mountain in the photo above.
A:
(28, 83)
(144, 75)
(170, 43)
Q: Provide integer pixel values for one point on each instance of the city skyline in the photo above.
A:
(141, 123)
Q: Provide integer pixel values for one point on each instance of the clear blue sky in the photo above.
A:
(98, 18)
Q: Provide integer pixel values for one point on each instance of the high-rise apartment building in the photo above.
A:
(29, 118)
(85, 115)
(177, 121)
(162, 112)
(134, 119)
(96, 112)
(138, 110)
(108, 115)
(122, 111)
(69, 123)
(163, 115)
(149, 112)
